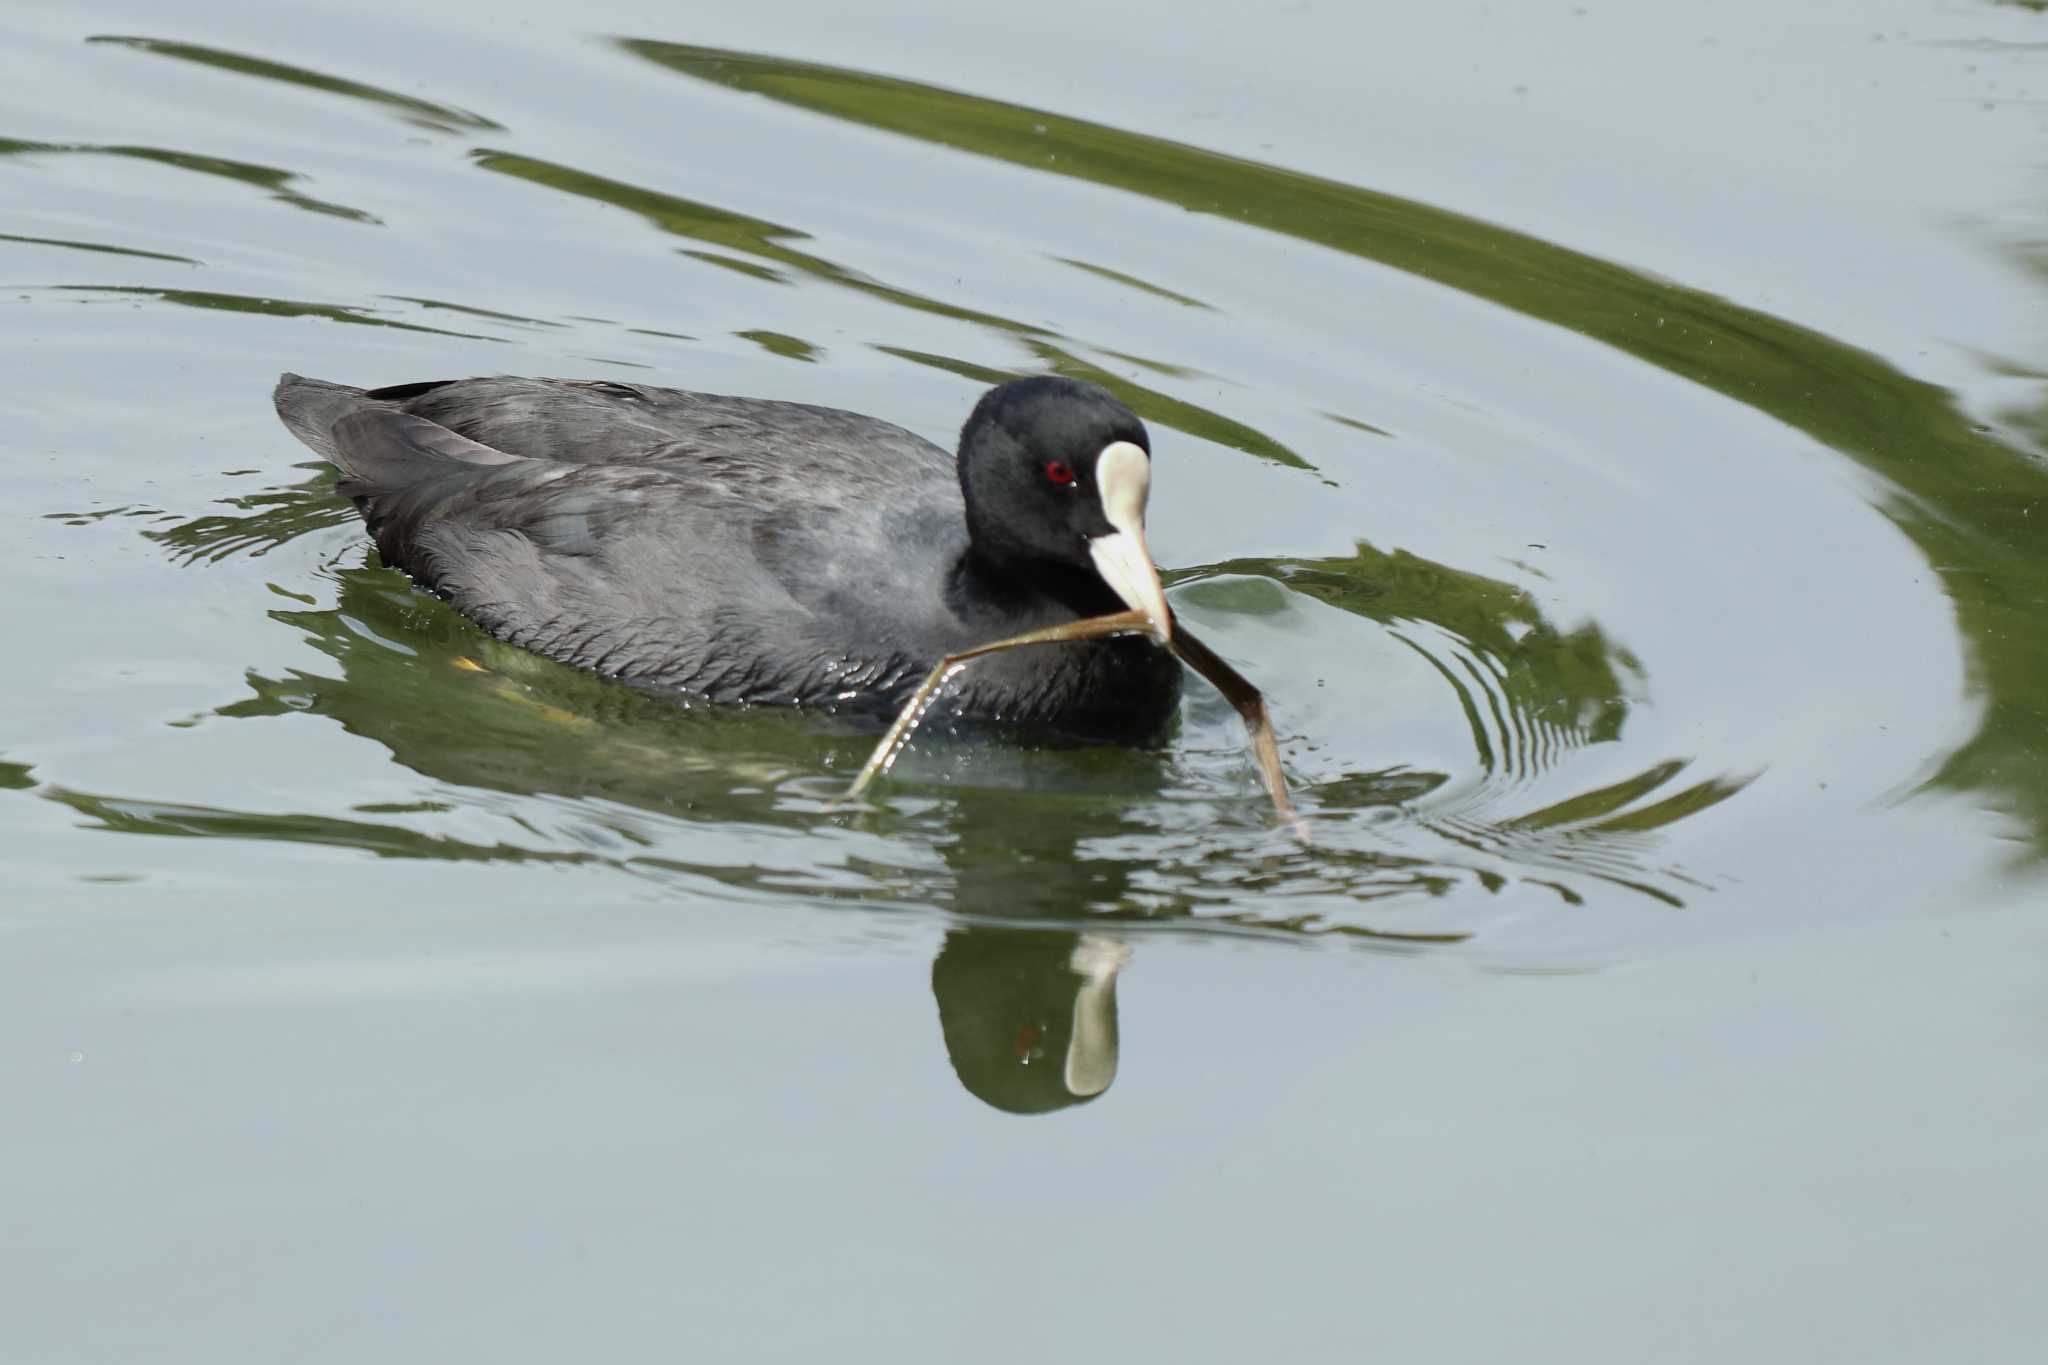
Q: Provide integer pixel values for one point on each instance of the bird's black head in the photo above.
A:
(1055, 473)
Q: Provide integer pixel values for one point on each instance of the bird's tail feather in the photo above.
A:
(376, 447)
(311, 407)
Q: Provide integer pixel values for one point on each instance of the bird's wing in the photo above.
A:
(679, 576)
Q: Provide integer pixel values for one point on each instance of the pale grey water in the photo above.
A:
(1665, 982)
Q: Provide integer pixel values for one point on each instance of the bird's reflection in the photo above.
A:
(1029, 1015)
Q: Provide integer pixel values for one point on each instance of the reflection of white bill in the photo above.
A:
(1091, 1053)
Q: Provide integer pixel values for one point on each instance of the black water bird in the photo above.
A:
(738, 550)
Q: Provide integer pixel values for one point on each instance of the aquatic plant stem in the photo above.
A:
(907, 720)
(1250, 704)
(1248, 701)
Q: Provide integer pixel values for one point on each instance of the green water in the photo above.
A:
(1616, 442)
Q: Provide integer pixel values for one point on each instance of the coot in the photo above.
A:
(737, 550)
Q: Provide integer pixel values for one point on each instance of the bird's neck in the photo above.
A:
(1024, 588)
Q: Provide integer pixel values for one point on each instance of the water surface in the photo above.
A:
(1615, 442)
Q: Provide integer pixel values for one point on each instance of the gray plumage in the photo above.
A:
(738, 550)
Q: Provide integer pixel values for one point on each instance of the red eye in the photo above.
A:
(1059, 472)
